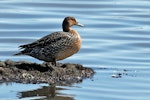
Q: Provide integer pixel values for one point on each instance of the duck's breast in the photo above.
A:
(74, 45)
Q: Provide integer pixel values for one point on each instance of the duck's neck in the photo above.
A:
(66, 28)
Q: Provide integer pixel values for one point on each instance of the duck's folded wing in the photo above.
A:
(47, 40)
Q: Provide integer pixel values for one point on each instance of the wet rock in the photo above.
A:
(27, 72)
(2, 64)
(9, 63)
(2, 71)
(27, 75)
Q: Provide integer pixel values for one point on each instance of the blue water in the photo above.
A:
(116, 39)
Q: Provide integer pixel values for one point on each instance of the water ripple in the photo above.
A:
(115, 38)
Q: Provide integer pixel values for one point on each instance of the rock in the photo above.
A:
(27, 72)
(2, 64)
(2, 70)
(9, 63)
(27, 75)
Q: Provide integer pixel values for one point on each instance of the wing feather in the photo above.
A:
(47, 40)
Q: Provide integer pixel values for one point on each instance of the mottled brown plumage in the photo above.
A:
(55, 46)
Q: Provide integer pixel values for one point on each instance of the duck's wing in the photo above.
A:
(47, 40)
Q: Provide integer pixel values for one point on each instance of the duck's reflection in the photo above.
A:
(45, 93)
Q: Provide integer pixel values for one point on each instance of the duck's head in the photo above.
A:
(68, 22)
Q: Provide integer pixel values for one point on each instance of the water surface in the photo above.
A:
(116, 39)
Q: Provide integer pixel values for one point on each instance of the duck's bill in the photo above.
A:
(79, 24)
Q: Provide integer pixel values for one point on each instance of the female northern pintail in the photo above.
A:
(55, 46)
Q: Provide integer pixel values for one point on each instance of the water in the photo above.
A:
(116, 40)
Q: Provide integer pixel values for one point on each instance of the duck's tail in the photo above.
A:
(23, 52)
(17, 54)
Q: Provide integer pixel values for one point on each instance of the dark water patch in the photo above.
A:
(18, 34)
(142, 32)
(21, 15)
(64, 5)
(140, 45)
(108, 25)
(138, 15)
(16, 40)
(27, 26)
(6, 53)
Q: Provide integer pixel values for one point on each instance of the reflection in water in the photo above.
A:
(46, 92)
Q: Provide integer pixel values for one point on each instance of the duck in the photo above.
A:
(57, 45)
